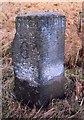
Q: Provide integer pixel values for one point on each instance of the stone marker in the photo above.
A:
(38, 57)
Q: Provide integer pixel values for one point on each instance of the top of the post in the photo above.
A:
(40, 14)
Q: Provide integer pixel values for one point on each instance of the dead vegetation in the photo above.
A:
(72, 107)
(70, 10)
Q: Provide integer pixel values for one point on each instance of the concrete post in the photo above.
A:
(38, 57)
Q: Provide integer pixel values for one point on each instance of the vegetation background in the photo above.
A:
(68, 108)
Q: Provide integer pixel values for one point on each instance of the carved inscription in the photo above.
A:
(24, 50)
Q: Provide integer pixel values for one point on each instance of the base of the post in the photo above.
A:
(25, 93)
(53, 89)
(40, 95)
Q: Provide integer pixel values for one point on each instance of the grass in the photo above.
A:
(56, 109)
(68, 108)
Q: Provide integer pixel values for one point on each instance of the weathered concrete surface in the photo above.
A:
(38, 57)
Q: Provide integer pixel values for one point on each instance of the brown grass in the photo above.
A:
(70, 10)
(67, 108)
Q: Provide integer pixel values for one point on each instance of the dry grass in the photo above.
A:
(71, 10)
(68, 108)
